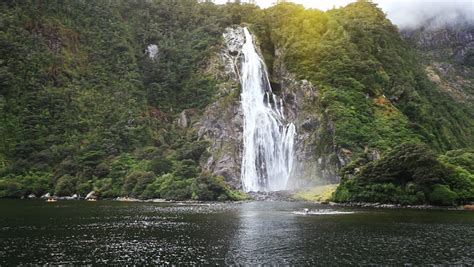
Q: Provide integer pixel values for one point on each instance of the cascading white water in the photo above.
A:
(268, 143)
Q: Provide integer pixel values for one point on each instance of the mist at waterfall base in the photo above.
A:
(268, 143)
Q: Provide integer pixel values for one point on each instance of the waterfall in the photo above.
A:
(268, 143)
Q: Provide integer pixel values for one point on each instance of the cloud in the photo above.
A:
(433, 14)
(403, 13)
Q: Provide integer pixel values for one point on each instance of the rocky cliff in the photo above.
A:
(448, 54)
(454, 42)
(317, 160)
(221, 123)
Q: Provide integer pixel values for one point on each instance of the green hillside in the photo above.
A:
(84, 106)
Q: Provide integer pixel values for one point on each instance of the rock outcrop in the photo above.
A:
(448, 54)
(92, 195)
(222, 122)
(458, 42)
(317, 159)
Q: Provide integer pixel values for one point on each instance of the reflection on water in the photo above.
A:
(110, 232)
(266, 233)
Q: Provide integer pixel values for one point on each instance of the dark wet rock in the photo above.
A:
(310, 124)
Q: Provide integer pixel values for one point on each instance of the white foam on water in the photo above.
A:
(322, 212)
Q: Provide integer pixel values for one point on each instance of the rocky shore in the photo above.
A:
(286, 195)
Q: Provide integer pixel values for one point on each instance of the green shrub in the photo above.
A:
(65, 186)
(442, 195)
(85, 187)
(161, 165)
(405, 163)
(152, 190)
(106, 188)
(173, 187)
(192, 150)
(122, 165)
(236, 195)
(143, 180)
(341, 194)
(10, 188)
(406, 199)
(37, 183)
(407, 175)
(420, 197)
(136, 182)
(101, 170)
(187, 169)
(463, 158)
(209, 187)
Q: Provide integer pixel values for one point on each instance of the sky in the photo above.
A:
(404, 13)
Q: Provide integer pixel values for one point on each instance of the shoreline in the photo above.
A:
(396, 206)
(323, 203)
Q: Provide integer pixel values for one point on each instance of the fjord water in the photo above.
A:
(79, 232)
(268, 143)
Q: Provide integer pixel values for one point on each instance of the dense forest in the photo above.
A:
(375, 90)
(86, 106)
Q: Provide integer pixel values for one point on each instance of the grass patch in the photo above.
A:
(318, 193)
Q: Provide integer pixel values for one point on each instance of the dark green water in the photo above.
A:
(108, 232)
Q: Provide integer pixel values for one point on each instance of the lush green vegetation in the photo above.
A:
(371, 83)
(320, 193)
(375, 94)
(410, 174)
(84, 107)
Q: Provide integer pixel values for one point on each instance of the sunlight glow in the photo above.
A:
(404, 13)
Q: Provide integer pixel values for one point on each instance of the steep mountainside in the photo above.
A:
(142, 98)
(448, 56)
(88, 104)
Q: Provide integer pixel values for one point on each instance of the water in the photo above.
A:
(79, 232)
(268, 143)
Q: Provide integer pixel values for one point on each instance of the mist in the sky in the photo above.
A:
(404, 13)
(432, 14)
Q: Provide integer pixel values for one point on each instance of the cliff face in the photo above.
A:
(448, 54)
(221, 123)
(448, 41)
(316, 160)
